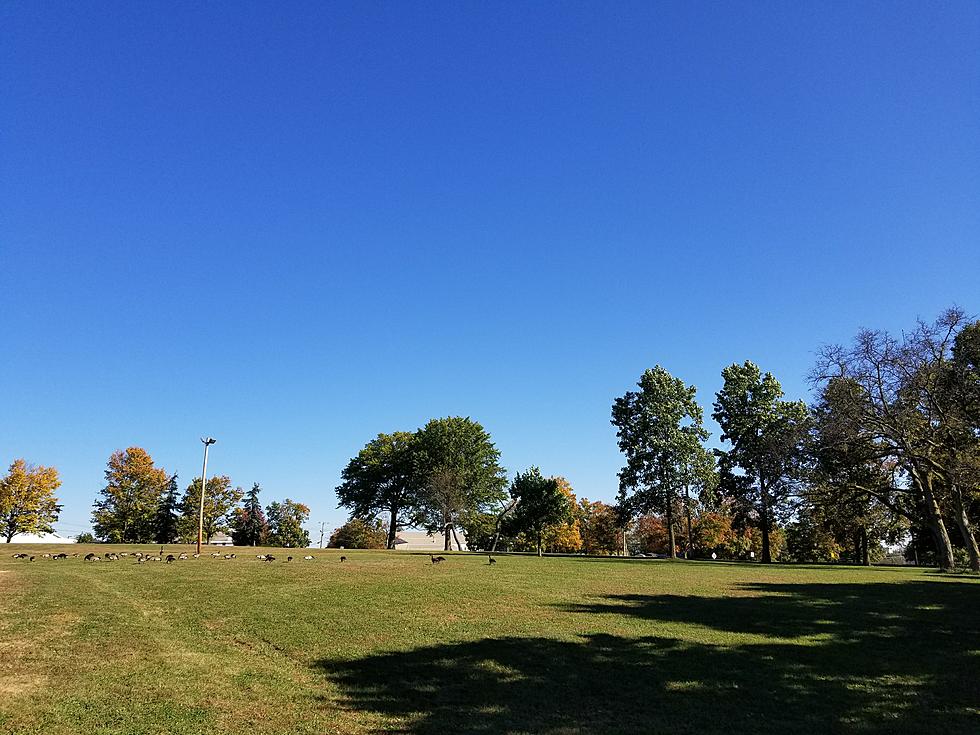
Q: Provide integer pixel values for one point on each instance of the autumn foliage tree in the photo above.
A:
(27, 500)
(127, 508)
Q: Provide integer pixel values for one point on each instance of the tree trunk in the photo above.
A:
(539, 543)
(865, 554)
(764, 517)
(459, 546)
(392, 526)
(944, 549)
(671, 541)
(690, 542)
(966, 529)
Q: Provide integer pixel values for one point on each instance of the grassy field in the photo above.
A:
(388, 643)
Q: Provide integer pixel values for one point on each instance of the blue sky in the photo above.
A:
(292, 226)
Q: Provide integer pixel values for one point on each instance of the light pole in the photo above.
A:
(208, 441)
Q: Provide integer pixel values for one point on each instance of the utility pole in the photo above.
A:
(321, 534)
(208, 441)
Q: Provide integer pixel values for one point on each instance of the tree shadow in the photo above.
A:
(833, 658)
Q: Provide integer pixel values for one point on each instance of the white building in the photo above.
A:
(422, 541)
(220, 539)
(40, 538)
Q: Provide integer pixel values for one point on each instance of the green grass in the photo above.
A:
(388, 643)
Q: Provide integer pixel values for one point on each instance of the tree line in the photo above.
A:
(889, 449)
(141, 503)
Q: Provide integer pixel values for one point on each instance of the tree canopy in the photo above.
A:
(27, 500)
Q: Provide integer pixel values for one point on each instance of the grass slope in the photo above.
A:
(388, 643)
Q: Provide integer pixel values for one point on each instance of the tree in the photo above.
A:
(27, 500)
(286, 521)
(249, 524)
(601, 528)
(359, 533)
(219, 500)
(459, 471)
(660, 430)
(126, 512)
(851, 492)
(85, 538)
(382, 478)
(903, 404)
(167, 520)
(766, 436)
(540, 503)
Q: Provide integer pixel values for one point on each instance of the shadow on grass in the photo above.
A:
(869, 658)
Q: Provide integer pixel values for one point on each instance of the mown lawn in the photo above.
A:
(388, 643)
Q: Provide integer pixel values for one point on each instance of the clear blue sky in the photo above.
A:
(292, 226)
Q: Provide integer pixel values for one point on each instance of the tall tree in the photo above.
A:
(27, 500)
(219, 501)
(382, 478)
(459, 471)
(903, 404)
(766, 435)
(540, 503)
(286, 521)
(127, 507)
(168, 514)
(660, 430)
(249, 524)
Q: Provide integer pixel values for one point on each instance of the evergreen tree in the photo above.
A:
(249, 524)
(168, 514)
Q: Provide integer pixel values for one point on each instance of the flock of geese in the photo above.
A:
(142, 558)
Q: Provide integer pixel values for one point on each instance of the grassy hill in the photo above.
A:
(386, 642)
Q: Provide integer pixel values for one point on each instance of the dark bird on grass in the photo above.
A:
(270, 557)
(343, 558)
(31, 559)
(492, 560)
(170, 558)
(436, 559)
(92, 557)
(289, 558)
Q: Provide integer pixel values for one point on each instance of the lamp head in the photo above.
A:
(208, 440)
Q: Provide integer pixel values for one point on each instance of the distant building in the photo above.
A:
(422, 541)
(220, 539)
(40, 538)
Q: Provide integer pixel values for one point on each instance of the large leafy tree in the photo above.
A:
(540, 504)
(167, 523)
(660, 430)
(851, 493)
(766, 435)
(127, 508)
(27, 500)
(903, 402)
(359, 533)
(219, 501)
(600, 527)
(383, 478)
(459, 471)
(286, 521)
(249, 524)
